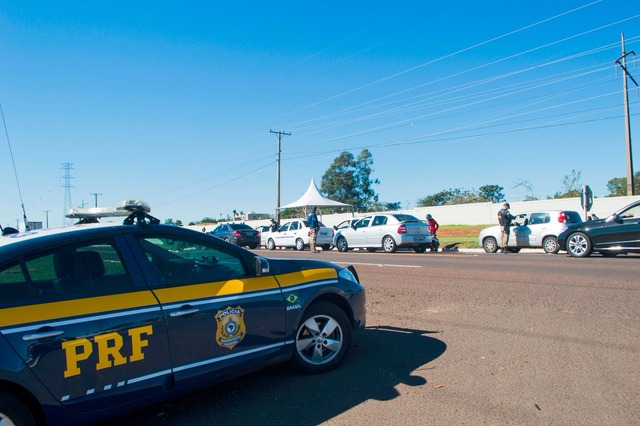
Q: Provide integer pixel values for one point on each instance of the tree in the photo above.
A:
(572, 183)
(529, 187)
(349, 180)
(462, 196)
(491, 193)
(618, 186)
(367, 197)
(386, 206)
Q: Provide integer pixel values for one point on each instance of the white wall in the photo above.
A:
(479, 213)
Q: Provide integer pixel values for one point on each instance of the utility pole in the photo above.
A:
(95, 195)
(46, 212)
(280, 134)
(622, 61)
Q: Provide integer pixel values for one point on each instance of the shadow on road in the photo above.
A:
(381, 359)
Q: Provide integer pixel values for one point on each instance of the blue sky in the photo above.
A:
(172, 102)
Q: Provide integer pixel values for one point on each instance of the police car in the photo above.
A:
(99, 318)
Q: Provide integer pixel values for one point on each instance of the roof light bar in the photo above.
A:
(124, 208)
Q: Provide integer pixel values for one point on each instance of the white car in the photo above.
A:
(531, 230)
(296, 233)
(388, 231)
(264, 234)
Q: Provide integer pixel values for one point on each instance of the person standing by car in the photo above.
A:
(504, 219)
(314, 225)
(433, 228)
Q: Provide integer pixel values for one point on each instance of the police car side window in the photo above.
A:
(68, 271)
(178, 261)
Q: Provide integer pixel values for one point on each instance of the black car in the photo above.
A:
(239, 234)
(617, 234)
(99, 318)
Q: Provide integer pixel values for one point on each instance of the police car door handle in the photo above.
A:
(183, 312)
(43, 335)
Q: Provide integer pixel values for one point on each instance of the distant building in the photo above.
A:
(34, 225)
(258, 216)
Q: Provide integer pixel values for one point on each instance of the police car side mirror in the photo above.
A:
(261, 266)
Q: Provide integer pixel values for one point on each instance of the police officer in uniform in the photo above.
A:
(314, 226)
(504, 219)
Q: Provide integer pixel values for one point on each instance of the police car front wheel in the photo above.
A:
(14, 412)
(323, 338)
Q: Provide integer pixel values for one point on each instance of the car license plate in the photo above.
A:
(418, 238)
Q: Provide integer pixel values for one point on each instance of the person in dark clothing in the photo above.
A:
(314, 226)
(504, 219)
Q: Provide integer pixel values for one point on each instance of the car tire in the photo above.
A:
(514, 250)
(342, 245)
(420, 249)
(271, 245)
(579, 245)
(326, 247)
(389, 244)
(372, 249)
(490, 245)
(550, 245)
(299, 244)
(323, 338)
(15, 412)
(253, 246)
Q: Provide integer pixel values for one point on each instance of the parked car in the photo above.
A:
(539, 229)
(388, 231)
(617, 234)
(264, 232)
(239, 234)
(343, 225)
(296, 234)
(98, 319)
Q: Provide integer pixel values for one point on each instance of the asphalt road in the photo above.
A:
(457, 338)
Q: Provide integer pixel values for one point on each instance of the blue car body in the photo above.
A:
(96, 320)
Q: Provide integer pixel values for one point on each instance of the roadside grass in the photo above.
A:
(461, 236)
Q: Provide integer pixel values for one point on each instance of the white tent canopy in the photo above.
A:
(312, 197)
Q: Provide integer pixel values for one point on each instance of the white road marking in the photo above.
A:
(382, 265)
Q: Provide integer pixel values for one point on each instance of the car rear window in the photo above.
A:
(406, 218)
(240, 226)
(573, 217)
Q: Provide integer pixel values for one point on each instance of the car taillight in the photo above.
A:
(402, 229)
(562, 217)
(237, 234)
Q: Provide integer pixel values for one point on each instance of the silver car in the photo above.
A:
(539, 229)
(388, 231)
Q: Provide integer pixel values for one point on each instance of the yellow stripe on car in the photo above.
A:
(77, 307)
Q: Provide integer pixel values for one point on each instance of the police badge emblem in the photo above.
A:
(231, 328)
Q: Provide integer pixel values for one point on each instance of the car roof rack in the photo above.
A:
(136, 211)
